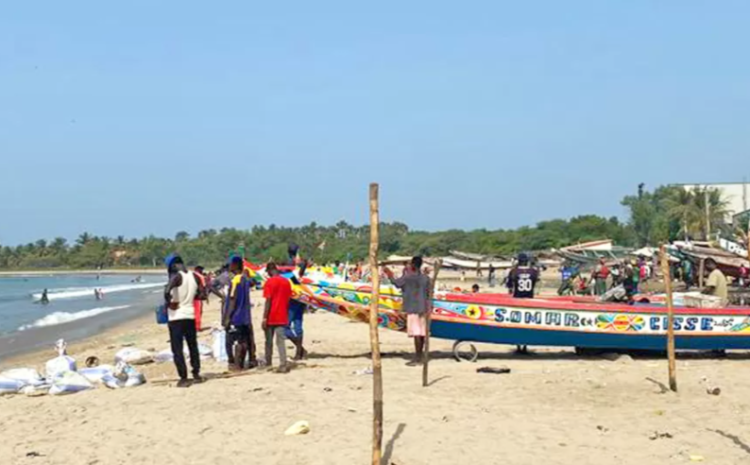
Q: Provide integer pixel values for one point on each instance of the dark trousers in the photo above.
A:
(244, 338)
(179, 331)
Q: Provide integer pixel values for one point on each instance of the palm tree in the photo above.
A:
(83, 239)
(681, 206)
(715, 213)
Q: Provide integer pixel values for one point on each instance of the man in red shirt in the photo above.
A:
(278, 292)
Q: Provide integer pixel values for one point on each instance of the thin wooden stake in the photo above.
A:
(377, 368)
(670, 319)
(701, 270)
(426, 366)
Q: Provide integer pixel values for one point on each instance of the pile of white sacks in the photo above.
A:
(62, 375)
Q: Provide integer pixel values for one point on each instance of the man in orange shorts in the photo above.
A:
(415, 287)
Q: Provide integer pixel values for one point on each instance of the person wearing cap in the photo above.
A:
(237, 318)
(523, 278)
(181, 291)
(716, 284)
(416, 289)
(278, 293)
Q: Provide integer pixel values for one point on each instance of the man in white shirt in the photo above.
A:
(182, 289)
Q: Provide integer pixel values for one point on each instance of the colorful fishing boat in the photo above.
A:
(500, 319)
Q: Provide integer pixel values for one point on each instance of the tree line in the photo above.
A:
(665, 214)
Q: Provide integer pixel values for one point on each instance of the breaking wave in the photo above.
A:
(58, 318)
(73, 292)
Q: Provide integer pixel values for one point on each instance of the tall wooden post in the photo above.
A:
(426, 367)
(670, 319)
(701, 271)
(377, 368)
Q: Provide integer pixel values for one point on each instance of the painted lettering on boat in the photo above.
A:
(618, 322)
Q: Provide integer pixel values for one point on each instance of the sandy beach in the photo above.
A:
(553, 408)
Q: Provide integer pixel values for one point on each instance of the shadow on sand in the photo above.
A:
(388, 455)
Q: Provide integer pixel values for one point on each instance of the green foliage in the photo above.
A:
(654, 217)
(340, 242)
(673, 212)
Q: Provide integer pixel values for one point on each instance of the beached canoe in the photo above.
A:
(501, 319)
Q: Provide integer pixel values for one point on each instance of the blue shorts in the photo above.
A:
(296, 314)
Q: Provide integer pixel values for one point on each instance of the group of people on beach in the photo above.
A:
(417, 288)
(282, 316)
(632, 278)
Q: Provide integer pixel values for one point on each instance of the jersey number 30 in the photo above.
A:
(525, 284)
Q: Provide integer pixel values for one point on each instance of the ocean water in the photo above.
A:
(71, 299)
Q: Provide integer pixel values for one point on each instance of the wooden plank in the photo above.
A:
(426, 366)
(670, 320)
(377, 367)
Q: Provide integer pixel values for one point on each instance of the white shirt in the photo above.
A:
(184, 296)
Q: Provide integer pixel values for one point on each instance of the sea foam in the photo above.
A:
(73, 292)
(58, 318)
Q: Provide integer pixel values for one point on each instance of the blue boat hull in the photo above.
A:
(532, 337)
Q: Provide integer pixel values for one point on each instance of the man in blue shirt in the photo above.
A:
(236, 318)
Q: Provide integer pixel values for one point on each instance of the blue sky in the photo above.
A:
(153, 117)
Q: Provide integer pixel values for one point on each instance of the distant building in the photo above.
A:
(735, 193)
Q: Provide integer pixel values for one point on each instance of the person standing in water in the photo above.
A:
(179, 294)
(415, 288)
(45, 297)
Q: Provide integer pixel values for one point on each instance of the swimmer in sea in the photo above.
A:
(45, 298)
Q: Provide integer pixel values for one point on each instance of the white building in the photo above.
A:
(735, 193)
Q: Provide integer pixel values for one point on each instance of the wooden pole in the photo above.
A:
(377, 368)
(670, 319)
(426, 366)
(701, 270)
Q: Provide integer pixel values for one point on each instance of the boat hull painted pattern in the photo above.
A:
(500, 319)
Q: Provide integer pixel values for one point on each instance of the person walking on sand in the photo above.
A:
(237, 319)
(415, 288)
(179, 294)
(278, 292)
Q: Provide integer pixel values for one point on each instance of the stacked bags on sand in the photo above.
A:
(63, 377)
